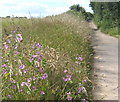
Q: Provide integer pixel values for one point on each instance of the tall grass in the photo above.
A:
(46, 58)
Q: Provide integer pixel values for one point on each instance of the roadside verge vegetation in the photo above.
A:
(46, 58)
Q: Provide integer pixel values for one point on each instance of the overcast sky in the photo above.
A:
(38, 8)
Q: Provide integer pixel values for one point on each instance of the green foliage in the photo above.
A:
(106, 16)
(77, 9)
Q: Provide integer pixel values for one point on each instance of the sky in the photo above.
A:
(38, 8)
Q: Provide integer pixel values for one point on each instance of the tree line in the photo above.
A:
(106, 16)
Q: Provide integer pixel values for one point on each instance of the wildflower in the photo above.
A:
(69, 98)
(34, 78)
(38, 53)
(23, 83)
(34, 87)
(9, 96)
(22, 66)
(4, 65)
(5, 46)
(45, 75)
(80, 90)
(4, 71)
(12, 81)
(42, 92)
(9, 41)
(69, 93)
(16, 47)
(20, 90)
(41, 70)
(17, 52)
(29, 80)
(79, 58)
(34, 56)
(85, 81)
(83, 100)
(65, 71)
(28, 84)
(25, 71)
(38, 45)
(14, 87)
(19, 37)
(68, 77)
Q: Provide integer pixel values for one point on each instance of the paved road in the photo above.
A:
(105, 66)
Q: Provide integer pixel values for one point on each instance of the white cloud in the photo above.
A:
(37, 7)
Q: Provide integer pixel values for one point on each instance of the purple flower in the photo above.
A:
(69, 93)
(34, 78)
(22, 66)
(9, 41)
(29, 80)
(69, 98)
(80, 90)
(24, 71)
(38, 53)
(65, 71)
(28, 84)
(4, 71)
(45, 75)
(34, 87)
(19, 37)
(14, 87)
(38, 45)
(20, 90)
(23, 83)
(5, 46)
(17, 52)
(9, 96)
(41, 70)
(83, 100)
(79, 58)
(68, 77)
(42, 92)
(12, 81)
(16, 47)
(34, 56)
(4, 65)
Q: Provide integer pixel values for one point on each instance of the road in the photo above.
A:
(105, 72)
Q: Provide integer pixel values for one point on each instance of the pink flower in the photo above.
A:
(4, 65)
(22, 66)
(41, 69)
(69, 98)
(29, 80)
(6, 46)
(9, 96)
(34, 78)
(12, 81)
(45, 75)
(23, 83)
(34, 87)
(69, 93)
(25, 71)
(8, 41)
(19, 37)
(38, 45)
(42, 92)
(65, 71)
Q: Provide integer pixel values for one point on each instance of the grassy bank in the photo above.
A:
(46, 58)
